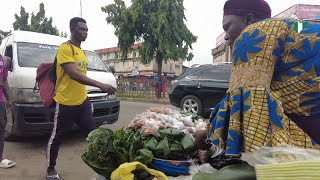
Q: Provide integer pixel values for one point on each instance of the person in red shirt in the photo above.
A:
(157, 85)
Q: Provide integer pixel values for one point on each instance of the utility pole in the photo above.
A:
(81, 8)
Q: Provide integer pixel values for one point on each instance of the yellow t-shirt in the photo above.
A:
(70, 92)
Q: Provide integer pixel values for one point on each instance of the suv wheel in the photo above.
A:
(191, 104)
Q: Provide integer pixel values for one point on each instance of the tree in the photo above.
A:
(21, 22)
(158, 24)
(64, 34)
(39, 23)
(3, 34)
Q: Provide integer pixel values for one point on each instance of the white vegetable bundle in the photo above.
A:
(157, 118)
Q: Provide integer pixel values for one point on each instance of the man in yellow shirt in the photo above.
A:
(72, 104)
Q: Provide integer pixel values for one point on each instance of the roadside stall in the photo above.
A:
(163, 143)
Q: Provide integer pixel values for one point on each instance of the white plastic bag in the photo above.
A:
(98, 177)
(216, 151)
(201, 124)
(187, 121)
(181, 178)
(203, 168)
(283, 154)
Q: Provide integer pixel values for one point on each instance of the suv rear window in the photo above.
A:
(219, 73)
(195, 75)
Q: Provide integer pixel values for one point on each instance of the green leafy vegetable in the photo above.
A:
(172, 133)
(162, 148)
(151, 143)
(170, 144)
(176, 147)
(144, 156)
(107, 150)
(187, 143)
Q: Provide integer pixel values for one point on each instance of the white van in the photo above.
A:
(29, 117)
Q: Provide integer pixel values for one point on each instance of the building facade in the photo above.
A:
(301, 11)
(132, 66)
(222, 52)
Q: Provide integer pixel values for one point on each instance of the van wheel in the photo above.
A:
(9, 136)
(191, 104)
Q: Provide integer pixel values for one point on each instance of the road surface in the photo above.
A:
(29, 154)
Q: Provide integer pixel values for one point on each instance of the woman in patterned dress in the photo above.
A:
(275, 82)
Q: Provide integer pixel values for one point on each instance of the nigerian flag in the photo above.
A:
(299, 26)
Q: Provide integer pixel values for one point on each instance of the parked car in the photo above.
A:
(200, 89)
(29, 117)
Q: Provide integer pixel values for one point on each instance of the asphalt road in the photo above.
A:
(29, 153)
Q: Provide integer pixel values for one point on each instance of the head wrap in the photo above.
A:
(259, 8)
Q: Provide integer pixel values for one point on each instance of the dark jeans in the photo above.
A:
(64, 118)
(309, 124)
(158, 90)
(3, 122)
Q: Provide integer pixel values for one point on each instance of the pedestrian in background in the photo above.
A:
(157, 85)
(164, 84)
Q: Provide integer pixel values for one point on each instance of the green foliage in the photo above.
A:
(64, 34)
(39, 23)
(159, 25)
(3, 34)
(21, 22)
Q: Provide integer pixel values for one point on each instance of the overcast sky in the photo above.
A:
(204, 19)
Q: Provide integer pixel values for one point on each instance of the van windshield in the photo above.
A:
(32, 55)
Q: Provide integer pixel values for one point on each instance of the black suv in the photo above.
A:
(200, 89)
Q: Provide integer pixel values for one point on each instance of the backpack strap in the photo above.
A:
(71, 45)
(55, 66)
(55, 59)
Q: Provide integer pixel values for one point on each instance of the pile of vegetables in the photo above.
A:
(156, 118)
(171, 144)
(106, 150)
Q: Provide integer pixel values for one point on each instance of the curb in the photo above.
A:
(145, 100)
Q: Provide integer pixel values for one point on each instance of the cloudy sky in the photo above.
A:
(204, 19)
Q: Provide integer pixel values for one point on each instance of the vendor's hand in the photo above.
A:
(107, 88)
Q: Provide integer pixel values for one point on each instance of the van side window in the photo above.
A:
(9, 53)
